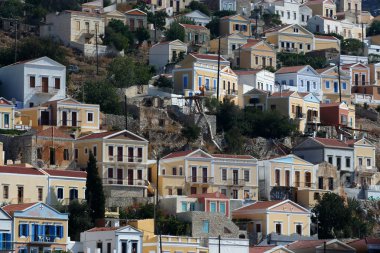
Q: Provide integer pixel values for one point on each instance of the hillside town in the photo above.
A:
(193, 126)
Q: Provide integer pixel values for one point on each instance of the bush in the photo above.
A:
(163, 82)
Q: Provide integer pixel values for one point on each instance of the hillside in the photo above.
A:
(372, 6)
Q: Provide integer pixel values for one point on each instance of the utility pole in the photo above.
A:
(219, 243)
(160, 242)
(16, 23)
(126, 112)
(340, 87)
(156, 193)
(97, 55)
(362, 39)
(218, 78)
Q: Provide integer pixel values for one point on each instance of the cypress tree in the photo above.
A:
(94, 189)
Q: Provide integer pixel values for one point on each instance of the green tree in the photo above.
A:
(184, 20)
(224, 13)
(163, 82)
(158, 19)
(125, 72)
(94, 189)
(352, 47)
(195, 5)
(79, 218)
(234, 140)
(271, 19)
(213, 26)
(374, 28)
(175, 32)
(11, 9)
(103, 94)
(331, 215)
(191, 132)
(362, 221)
(118, 35)
(228, 115)
(142, 34)
(139, 211)
(292, 59)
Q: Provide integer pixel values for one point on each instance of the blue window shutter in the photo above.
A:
(52, 230)
(1, 241)
(214, 84)
(55, 231)
(61, 232)
(33, 230)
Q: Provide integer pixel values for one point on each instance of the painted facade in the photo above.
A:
(338, 114)
(163, 53)
(255, 54)
(6, 233)
(289, 11)
(136, 19)
(374, 73)
(33, 82)
(7, 114)
(196, 172)
(256, 79)
(235, 24)
(38, 227)
(229, 44)
(325, 8)
(330, 85)
(196, 35)
(323, 42)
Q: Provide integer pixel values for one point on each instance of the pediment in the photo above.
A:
(42, 211)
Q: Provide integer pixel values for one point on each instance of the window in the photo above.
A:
(199, 81)
(278, 228)
(73, 194)
(330, 159)
(205, 226)
(360, 161)
(344, 86)
(40, 194)
(295, 29)
(5, 191)
(193, 190)
(170, 191)
(32, 81)
(277, 177)
(320, 182)
(184, 206)
(60, 193)
(314, 85)
(39, 153)
(348, 162)
(119, 154)
(327, 84)
(212, 207)
(246, 175)
(23, 230)
(288, 14)
(94, 150)
(57, 83)
(295, 16)
(110, 173)
(185, 81)
(215, 84)
(224, 174)
(110, 151)
(204, 190)
(65, 154)
(301, 46)
(174, 171)
(338, 163)
(179, 192)
(222, 208)
(52, 156)
(287, 178)
(299, 229)
(307, 179)
(308, 46)
(180, 171)
(331, 183)
(257, 60)
(76, 154)
(224, 192)
(368, 162)
(303, 18)
(139, 174)
(235, 194)
(291, 82)
(90, 117)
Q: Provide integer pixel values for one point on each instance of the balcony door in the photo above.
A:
(45, 118)
(204, 175)
(119, 176)
(235, 176)
(74, 117)
(193, 174)
(64, 118)
(45, 84)
(130, 177)
(20, 194)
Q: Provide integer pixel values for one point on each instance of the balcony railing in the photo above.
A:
(125, 182)
(43, 238)
(300, 115)
(45, 90)
(70, 123)
(304, 184)
(289, 50)
(125, 159)
(200, 180)
(236, 182)
(67, 201)
(313, 119)
(366, 169)
(232, 93)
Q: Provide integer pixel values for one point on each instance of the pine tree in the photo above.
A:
(95, 195)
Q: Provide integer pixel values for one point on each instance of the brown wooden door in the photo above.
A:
(45, 84)
(119, 176)
(130, 177)
(64, 118)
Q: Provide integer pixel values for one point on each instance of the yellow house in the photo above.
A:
(325, 8)
(301, 107)
(290, 38)
(122, 161)
(198, 74)
(7, 114)
(170, 244)
(116, 15)
(38, 227)
(330, 85)
(326, 42)
(281, 217)
(284, 175)
(255, 54)
(196, 172)
(64, 113)
(235, 24)
(228, 44)
(365, 162)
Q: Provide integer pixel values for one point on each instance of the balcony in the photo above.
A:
(236, 182)
(43, 238)
(364, 170)
(209, 92)
(67, 201)
(125, 182)
(300, 115)
(231, 93)
(304, 185)
(45, 90)
(289, 50)
(70, 123)
(200, 180)
(124, 159)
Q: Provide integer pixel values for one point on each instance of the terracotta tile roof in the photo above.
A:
(96, 135)
(293, 69)
(331, 142)
(285, 93)
(213, 57)
(260, 249)
(259, 205)
(66, 173)
(10, 209)
(100, 229)
(135, 12)
(303, 94)
(214, 195)
(20, 170)
(251, 43)
(178, 154)
(325, 37)
(351, 142)
(197, 27)
(320, 71)
(304, 244)
(247, 72)
(233, 156)
(54, 132)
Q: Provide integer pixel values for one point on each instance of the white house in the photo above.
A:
(300, 79)
(198, 17)
(227, 5)
(112, 239)
(33, 82)
(6, 238)
(288, 10)
(228, 245)
(319, 24)
(305, 14)
(78, 29)
(260, 79)
(371, 48)
(165, 52)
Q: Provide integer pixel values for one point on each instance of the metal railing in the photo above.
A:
(44, 239)
(362, 168)
(46, 90)
(236, 182)
(231, 92)
(125, 182)
(201, 180)
(125, 159)
(70, 123)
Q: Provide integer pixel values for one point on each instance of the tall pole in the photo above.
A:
(16, 23)
(126, 112)
(340, 87)
(218, 78)
(362, 39)
(219, 243)
(97, 55)
(160, 242)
